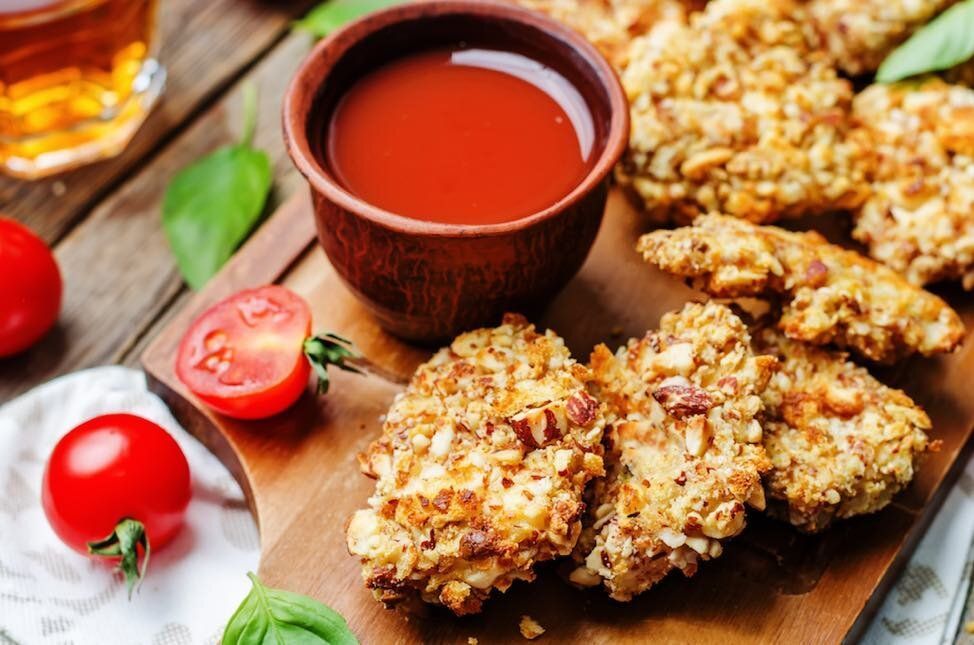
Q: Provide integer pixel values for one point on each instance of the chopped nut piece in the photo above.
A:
(834, 461)
(499, 487)
(530, 629)
(674, 480)
(859, 304)
(681, 398)
(582, 409)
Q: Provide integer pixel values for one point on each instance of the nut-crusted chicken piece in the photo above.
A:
(859, 34)
(741, 112)
(480, 469)
(611, 25)
(920, 219)
(683, 450)
(840, 442)
(828, 294)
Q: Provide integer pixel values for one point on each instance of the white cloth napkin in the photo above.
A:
(50, 594)
(928, 601)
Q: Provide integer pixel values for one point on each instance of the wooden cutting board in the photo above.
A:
(301, 477)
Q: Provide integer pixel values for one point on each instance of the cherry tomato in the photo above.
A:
(114, 483)
(244, 357)
(30, 288)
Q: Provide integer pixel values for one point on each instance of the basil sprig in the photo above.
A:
(211, 206)
(272, 616)
(330, 15)
(945, 41)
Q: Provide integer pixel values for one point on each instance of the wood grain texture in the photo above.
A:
(771, 584)
(205, 47)
(118, 271)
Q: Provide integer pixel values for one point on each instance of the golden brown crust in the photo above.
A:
(840, 442)
(480, 469)
(611, 25)
(920, 219)
(859, 34)
(740, 112)
(829, 295)
(683, 453)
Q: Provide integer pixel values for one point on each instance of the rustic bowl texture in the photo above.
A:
(427, 281)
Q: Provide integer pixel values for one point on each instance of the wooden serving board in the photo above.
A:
(301, 477)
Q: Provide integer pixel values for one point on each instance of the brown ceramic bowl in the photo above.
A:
(426, 281)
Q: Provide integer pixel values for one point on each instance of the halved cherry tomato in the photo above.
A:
(115, 485)
(30, 288)
(249, 356)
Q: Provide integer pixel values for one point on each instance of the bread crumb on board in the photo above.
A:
(472, 641)
(530, 628)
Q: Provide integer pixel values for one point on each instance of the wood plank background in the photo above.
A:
(105, 220)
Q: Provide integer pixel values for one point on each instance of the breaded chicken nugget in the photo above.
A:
(920, 219)
(683, 450)
(481, 467)
(859, 34)
(611, 25)
(840, 442)
(742, 113)
(829, 294)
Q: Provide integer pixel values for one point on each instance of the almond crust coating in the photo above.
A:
(683, 450)
(840, 442)
(480, 469)
(828, 294)
(859, 34)
(920, 218)
(611, 25)
(740, 112)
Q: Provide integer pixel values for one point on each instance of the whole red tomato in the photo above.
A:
(30, 288)
(250, 355)
(114, 486)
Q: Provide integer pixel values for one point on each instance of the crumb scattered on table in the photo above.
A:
(530, 629)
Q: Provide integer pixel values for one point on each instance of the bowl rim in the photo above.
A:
(312, 73)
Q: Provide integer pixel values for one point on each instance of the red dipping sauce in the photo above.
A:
(461, 136)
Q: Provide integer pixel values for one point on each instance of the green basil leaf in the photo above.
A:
(211, 206)
(332, 14)
(944, 42)
(272, 617)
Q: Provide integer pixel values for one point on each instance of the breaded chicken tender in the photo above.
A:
(740, 112)
(859, 34)
(828, 294)
(840, 442)
(480, 469)
(683, 450)
(920, 219)
(611, 25)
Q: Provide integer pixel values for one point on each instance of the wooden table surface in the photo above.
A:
(104, 221)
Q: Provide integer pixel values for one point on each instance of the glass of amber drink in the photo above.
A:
(77, 78)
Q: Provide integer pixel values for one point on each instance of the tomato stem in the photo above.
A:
(123, 543)
(330, 349)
